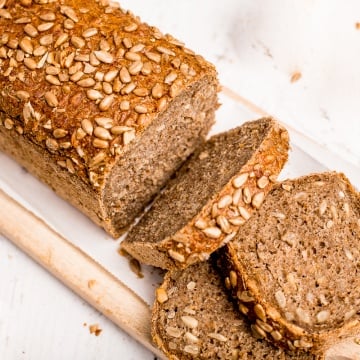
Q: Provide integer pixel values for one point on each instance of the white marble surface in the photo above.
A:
(256, 46)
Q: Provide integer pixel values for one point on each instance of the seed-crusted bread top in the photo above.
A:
(84, 78)
(194, 319)
(295, 264)
(213, 194)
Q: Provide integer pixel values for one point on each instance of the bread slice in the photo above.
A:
(194, 319)
(295, 265)
(213, 194)
(99, 105)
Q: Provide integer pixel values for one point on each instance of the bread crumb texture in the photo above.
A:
(294, 267)
(196, 320)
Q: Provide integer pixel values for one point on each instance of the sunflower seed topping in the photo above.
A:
(31, 30)
(212, 232)
(51, 99)
(104, 56)
(176, 256)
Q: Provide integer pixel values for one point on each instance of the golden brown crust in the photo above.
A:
(82, 79)
(82, 82)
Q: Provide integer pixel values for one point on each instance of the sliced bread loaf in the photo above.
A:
(194, 319)
(99, 105)
(295, 265)
(213, 194)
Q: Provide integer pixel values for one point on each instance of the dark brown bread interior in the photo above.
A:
(194, 319)
(98, 105)
(168, 234)
(295, 264)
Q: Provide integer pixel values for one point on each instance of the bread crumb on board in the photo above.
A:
(295, 76)
(134, 264)
(357, 26)
(91, 283)
(95, 329)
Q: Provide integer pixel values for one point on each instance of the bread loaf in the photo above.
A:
(194, 319)
(213, 194)
(295, 264)
(98, 105)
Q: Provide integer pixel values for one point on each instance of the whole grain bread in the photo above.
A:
(213, 194)
(98, 105)
(295, 265)
(194, 319)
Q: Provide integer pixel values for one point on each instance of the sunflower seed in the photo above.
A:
(153, 56)
(94, 94)
(224, 201)
(22, 95)
(190, 321)
(165, 50)
(218, 337)
(90, 32)
(61, 39)
(51, 99)
(192, 349)
(59, 133)
(104, 56)
(176, 256)
(69, 12)
(106, 103)
(26, 45)
(5, 14)
(30, 63)
(170, 78)
(244, 213)
(88, 82)
(131, 27)
(111, 75)
(8, 123)
(222, 221)
(77, 41)
(105, 122)
(212, 232)
(141, 109)
(132, 56)
(240, 180)
(135, 67)
(102, 133)
(258, 199)
(87, 126)
(201, 224)
(30, 30)
(45, 26)
(100, 144)
(52, 144)
(49, 16)
(40, 51)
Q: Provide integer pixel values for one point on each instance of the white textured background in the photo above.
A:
(256, 45)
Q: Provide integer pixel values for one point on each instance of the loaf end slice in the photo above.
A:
(194, 319)
(213, 194)
(295, 264)
(99, 105)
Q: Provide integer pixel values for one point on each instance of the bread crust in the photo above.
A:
(205, 232)
(82, 82)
